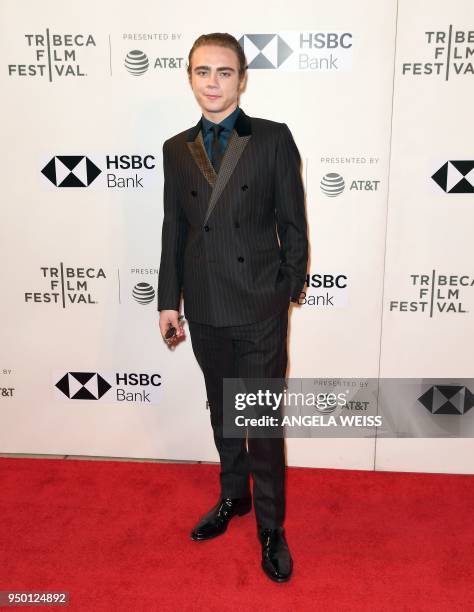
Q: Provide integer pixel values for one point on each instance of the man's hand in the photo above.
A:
(169, 319)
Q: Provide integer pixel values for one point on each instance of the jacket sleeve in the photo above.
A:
(290, 212)
(173, 239)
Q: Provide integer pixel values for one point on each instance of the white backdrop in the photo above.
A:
(378, 96)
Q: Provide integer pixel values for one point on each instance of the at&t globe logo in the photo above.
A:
(332, 184)
(136, 62)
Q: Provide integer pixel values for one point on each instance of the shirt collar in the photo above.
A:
(227, 123)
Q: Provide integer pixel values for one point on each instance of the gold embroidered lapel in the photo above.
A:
(199, 154)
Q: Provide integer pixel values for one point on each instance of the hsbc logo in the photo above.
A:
(325, 291)
(455, 176)
(447, 399)
(83, 385)
(80, 171)
(265, 50)
(137, 387)
(298, 51)
(71, 171)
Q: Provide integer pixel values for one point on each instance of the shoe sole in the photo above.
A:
(242, 512)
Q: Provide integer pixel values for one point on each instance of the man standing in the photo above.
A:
(234, 239)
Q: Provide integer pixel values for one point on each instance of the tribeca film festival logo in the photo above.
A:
(53, 56)
(143, 387)
(456, 176)
(436, 294)
(296, 51)
(127, 171)
(325, 290)
(66, 286)
(447, 399)
(450, 55)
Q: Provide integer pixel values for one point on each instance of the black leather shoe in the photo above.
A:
(215, 522)
(276, 559)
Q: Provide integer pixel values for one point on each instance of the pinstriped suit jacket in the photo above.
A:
(235, 242)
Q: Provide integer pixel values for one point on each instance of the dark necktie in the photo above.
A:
(216, 146)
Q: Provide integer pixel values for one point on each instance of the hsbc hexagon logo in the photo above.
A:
(265, 50)
(83, 385)
(71, 171)
(447, 399)
(456, 176)
(138, 387)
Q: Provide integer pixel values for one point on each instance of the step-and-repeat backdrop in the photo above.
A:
(378, 96)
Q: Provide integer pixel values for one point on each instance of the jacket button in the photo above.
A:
(236, 225)
(240, 259)
(206, 228)
(245, 187)
(194, 193)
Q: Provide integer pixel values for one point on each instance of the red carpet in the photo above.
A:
(116, 536)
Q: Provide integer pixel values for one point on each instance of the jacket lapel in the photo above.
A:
(235, 148)
(198, 151)
(238, 140)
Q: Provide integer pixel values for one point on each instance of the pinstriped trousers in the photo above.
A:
(254, 350)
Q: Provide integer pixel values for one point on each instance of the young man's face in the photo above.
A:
(215, 81)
